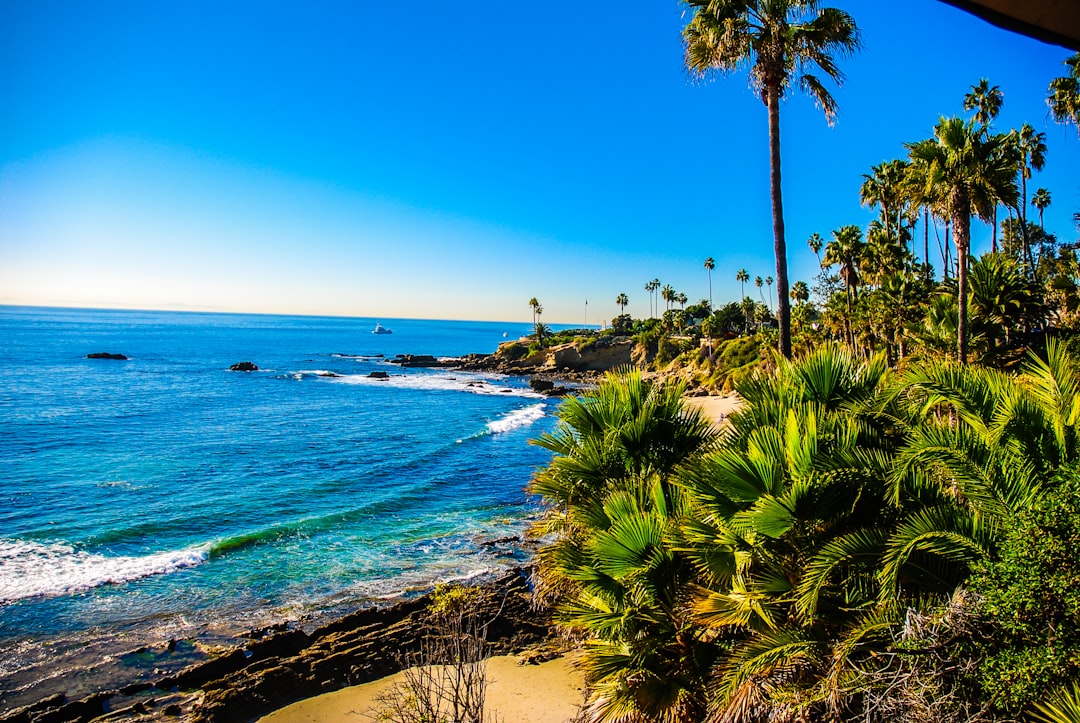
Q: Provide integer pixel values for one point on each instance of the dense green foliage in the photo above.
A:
(614, 509)
(771, 571)
(1032, 597)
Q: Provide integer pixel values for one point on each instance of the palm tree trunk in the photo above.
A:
(993, 242)
(1023, 202)
(1022, 213)
(847, 322)
(947, 258)
(1028, 259)
(926, 235)
(783, 308)
(960, 210)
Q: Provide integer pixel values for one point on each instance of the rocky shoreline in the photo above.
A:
(549, 370)
(272, 667)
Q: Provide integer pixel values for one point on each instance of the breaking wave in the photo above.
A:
(35, 569)
(456, 382)
(517, 418)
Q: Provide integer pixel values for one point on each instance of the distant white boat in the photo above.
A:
(380, 329)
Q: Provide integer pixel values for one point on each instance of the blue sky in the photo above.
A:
(446, 160)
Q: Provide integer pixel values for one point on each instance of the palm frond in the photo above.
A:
(860, 546)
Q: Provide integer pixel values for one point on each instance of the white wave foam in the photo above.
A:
(457, 382)
(35, 569)
(517, 418)
(317, 373)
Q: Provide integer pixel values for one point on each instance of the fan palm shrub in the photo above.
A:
(766, 573)
(609, 566)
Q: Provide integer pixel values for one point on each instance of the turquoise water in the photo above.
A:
(164, 496)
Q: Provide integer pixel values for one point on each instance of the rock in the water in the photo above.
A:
(378, 375)
(424, 360)
(244, 366)
(106, 355)
(541, 385)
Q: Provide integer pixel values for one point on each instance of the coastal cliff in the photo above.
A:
(572, 360)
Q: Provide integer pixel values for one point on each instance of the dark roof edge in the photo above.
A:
(1008, 22)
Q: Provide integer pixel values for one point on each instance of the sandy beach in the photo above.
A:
(546, 693)
(716, 408)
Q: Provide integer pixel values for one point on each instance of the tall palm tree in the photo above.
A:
(759, 282)
(815, 242)
(651, 288)
(883, 187)
(1064, 95)
(621, 301)
(1041, 200)
(681, 299)
(742, 277)
(710, 264)
(668, 295)
(1032, 147)
(970, 171)
(986, 100)
(845, 251)
(536, 309)
(779, 41)
(1031, 156)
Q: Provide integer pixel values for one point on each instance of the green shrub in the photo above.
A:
(513, 351)
(621, 324)
(668, 350)
(1032, 596)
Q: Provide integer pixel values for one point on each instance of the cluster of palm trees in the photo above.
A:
(965, 171)
(765, 572)
(961, 170)
(541, 331)
(667, 293)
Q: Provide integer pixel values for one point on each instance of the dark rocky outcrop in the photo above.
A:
(244, 366)
(378, 375)
(547, 387)
(106, 355)
(425, 361)
(541, 385)
(361, 647)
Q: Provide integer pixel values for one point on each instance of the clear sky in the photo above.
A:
(446, 160)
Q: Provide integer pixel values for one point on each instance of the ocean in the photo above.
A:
(166, 497)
